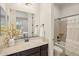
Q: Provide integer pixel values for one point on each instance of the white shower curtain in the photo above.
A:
(72, 39)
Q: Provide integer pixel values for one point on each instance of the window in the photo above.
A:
(3, 21)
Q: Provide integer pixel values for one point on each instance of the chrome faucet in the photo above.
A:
(25, 36)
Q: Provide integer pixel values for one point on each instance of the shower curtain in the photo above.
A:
(72, 39)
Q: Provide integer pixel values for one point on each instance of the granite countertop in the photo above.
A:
(21, 46)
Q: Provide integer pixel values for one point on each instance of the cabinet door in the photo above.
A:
(32, 52)
(29, 52)
(15, 54)
(44, 50)
(35, 54)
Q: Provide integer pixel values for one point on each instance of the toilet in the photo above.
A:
(58, 51)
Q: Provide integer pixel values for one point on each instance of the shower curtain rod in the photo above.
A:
(66, 17)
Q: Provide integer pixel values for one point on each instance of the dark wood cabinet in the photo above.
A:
(44, 50)
(37, 51)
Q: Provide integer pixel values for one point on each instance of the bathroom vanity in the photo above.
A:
(35, 47)
(37, 51)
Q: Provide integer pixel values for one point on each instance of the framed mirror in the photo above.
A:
(22, 24)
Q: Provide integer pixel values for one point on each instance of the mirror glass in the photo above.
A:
(25, 22)
(22, 21)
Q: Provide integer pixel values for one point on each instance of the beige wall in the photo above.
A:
(45, 18)
(70, 9)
